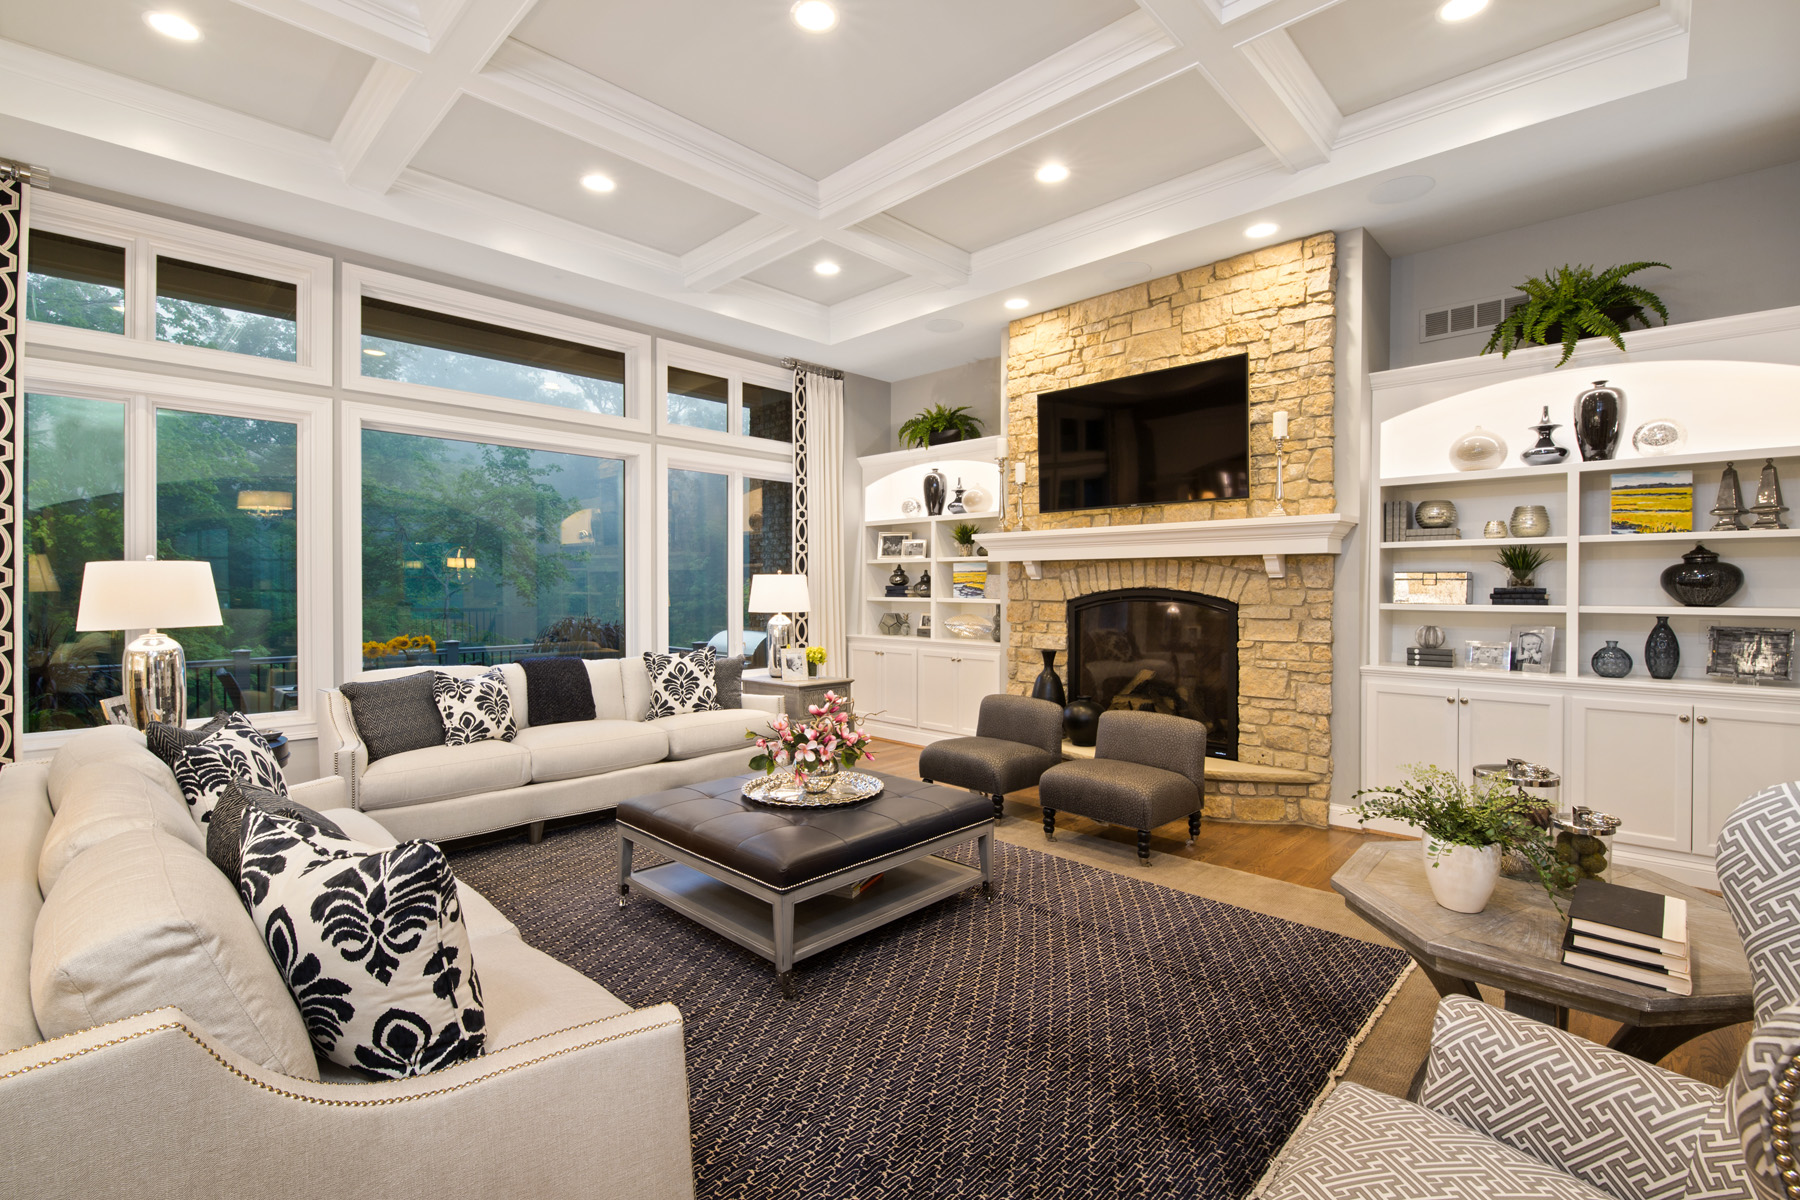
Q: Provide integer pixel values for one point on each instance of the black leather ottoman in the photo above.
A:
(763, 875)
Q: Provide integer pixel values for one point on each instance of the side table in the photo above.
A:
(796, 692)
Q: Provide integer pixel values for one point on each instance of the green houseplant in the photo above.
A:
(1521, 563)
(937, 425)
(963, 534)
(1570, 303)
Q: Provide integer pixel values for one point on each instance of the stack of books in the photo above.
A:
(1630, 934)
(1430, 535)
(1396, 519)
(1519, 595)
(1419, 656)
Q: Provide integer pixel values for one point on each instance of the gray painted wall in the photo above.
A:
(977, 384)
(1733, 244)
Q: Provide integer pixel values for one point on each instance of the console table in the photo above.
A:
(798, 691)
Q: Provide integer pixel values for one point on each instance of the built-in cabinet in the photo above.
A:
(1457, 728)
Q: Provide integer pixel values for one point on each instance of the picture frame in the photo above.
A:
(793, 662)
(1748, 654)
(1487, 656)
(912, 548)
(115, 710)
(1533, 648)
(892, 544)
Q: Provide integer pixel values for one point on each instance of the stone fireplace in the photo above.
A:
(1159, 650)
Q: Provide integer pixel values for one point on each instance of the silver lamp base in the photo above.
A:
(154, 675)
(778, 630)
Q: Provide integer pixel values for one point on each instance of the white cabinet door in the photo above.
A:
(897, 684)
(1739, 750)
(865, 675)
(977, 676)
(1635, 760)
(1495, 724)
(1407, 723)
(940, 681)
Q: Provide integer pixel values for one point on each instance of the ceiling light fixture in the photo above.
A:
(814, 16)
(1261, 229)
(1018, 302)
(598, 182)
(170, 25)
(826, 267)
(1460, 10)
(374, 353)
(1053, 172)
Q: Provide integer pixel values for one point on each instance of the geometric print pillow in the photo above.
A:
(370, 942)
(474, 710)
(681, 683)
(234, 751)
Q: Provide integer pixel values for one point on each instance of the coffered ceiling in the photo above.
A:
(902, 146)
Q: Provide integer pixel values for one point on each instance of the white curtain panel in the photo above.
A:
(823, 516)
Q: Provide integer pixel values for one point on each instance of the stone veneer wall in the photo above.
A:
(1278, 305)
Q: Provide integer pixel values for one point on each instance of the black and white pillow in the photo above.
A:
(225, 832)
(167, 741)
(393, 716)
(474, 710)
(235, 751)
(371, 943)
(681, 683)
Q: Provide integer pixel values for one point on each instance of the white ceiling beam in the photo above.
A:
(472, 39)
(1247, 26)
(370, 109)
(1279, 61)
(737, 252)
(893, 243)
(379, 30)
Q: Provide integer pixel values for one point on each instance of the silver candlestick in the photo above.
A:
(1279, 510)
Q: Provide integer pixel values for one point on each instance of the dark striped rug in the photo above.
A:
(1083, 1034)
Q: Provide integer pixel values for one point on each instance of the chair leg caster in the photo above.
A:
(987, 889)
(534, 832)
(1193, 829)
(1144, 846)
(624, 891)
(785, 981)
(1049, 824)
(999, 807)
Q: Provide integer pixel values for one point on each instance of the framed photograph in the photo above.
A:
(115, 710)
(793, 662)
(912, 548)
(892, 545)
(1533, 648)
(1487, 656)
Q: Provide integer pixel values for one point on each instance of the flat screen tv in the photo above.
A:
(1159, 438)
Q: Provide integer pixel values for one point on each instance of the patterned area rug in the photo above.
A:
(1083, 1034)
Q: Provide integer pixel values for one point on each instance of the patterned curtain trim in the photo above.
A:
(12, 299)
(802, 526)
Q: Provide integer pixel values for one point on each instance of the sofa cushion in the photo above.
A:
(728, 682)
(144, 921)
(443, 773)
(527, 993)
(606, 677)
(579, 748)
(474, 710)
(24, 822)
(168, 741)
(371, 943)
(235, 751)
(681, 682)
(103, 744)
(395, 715)
(694, 734)
(479, 913)
(101, 801)
(225, 832)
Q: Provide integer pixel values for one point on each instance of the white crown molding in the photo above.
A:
(892, 242)
(848, 317)
(393, 32)
(760, 304)
(1279, 61)
(1270, 538)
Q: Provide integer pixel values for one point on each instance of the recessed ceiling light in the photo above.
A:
(1261, 229)
(1053, 172)
(374, 353)
(598, 182)
(1460, 10)
(170, 25)
(826, 267)
(815, 16)
(1018, 302)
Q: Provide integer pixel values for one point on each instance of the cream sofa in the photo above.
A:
(547, 771)
(179, 1066)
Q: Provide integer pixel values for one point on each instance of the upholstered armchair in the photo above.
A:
(1016, 740)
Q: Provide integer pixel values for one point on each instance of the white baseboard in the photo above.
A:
(908, 734)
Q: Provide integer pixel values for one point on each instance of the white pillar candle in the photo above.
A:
(1281, 423)
(1019, 471)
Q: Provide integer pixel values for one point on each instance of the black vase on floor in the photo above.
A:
(934, 493)
(1049, 684)
(1081, 721)
(1662, 651)
(1599, 414)
(1700, 580)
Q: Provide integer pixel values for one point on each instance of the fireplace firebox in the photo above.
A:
(1157, 650)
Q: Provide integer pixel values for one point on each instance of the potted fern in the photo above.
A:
(937, 425)
(963, 534)
(1571, 303)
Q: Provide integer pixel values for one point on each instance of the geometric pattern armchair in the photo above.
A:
(1514, 1108)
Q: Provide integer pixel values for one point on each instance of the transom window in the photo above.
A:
(723, 397)
(75, 282)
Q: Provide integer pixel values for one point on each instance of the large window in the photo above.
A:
(699, 559)
(729, 519)
(768, 532)
(477, 552)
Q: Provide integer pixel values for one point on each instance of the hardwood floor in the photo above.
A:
(1308, 856)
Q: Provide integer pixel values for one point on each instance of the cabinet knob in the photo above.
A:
(1684, 718)
(1449, 699)
(1465, 700)
(1701, 720)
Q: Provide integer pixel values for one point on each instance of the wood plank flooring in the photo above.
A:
(1308, 857)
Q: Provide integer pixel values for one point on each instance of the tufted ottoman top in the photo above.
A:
(786, 848)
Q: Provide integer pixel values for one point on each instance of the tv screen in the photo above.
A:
(1159, 438)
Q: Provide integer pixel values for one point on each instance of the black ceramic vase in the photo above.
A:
(1662, 651)
(934, 493)
(1700, 580)
(1599, 414)
(1081, 721)
(1049, 684)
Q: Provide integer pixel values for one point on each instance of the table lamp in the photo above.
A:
(146, 595)
(778, 594)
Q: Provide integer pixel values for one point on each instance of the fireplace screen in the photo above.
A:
(1155, 650)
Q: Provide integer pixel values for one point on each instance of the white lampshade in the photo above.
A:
(151, 594)
(779, 593)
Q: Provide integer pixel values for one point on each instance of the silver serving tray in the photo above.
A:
(849, 787)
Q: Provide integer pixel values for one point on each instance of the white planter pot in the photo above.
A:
(1461, 877)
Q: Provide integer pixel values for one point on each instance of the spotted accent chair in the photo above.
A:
(1016, 740)
(1148, 769)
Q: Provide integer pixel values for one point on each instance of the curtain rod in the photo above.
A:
(800, 364)
(23, 173)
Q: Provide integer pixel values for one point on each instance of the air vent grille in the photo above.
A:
(1458, 319)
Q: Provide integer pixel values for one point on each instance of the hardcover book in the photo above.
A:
(1630, 915)
(1667, 977)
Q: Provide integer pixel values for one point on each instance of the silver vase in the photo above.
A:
(1728, 506)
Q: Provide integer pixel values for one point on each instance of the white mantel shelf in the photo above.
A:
(1272, 538)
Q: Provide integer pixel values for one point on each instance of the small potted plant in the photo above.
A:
(964, 537)
(815, 658)
(937, 425)
(812, 749)
(1466, 828)
(1521, 563)
(1571, 303)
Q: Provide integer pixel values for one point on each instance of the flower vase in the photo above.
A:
(1049, 685)
(812, 669)
(818, 779)
(1662, 651)
(1461, 877)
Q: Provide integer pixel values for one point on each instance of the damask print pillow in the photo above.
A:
(474, 710)
(235, 751)
(681, 683)
(370, 942)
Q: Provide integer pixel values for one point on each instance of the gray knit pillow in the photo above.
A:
(225, 832)
(396, 715)
(728, 682)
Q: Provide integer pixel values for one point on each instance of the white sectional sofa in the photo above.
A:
(548, 771)
(177, 1064)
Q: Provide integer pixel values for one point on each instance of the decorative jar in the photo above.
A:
(1584, 843)
(1662, 651)
(1610, 661)
(1530, 521)
(1434, 514)
(1700, 580)
(1599, 415)
(1496, 529)
(1478, 450)
(1081, 721)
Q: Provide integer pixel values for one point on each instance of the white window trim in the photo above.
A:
(359, 282)
(639, 554)
(145, 237)
(143, 393)
(737, 371)
(735, 467)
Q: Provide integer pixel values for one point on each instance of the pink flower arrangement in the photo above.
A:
(830, 734)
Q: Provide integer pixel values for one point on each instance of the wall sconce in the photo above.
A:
(265, 504)
(460, 561)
